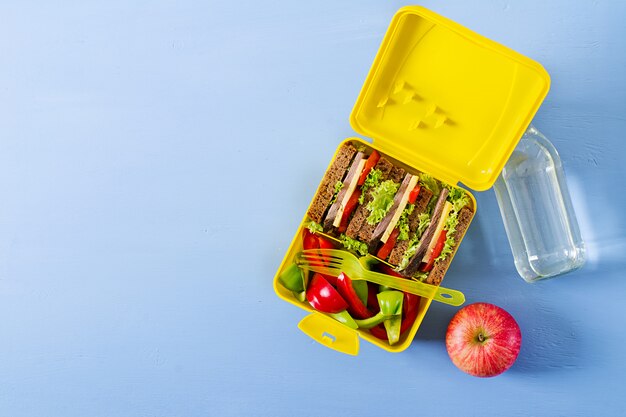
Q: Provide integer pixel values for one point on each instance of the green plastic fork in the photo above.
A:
(335, 261)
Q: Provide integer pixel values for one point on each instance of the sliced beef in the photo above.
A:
(326, 190)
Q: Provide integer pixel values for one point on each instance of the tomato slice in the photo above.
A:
(369, 164)
(414, 193)
(353, 201)
(441, 242)
(384, 252)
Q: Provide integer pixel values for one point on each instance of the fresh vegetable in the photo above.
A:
(293, 278)
(382, 200)
(424, 222)
(410, 308)
(369, 164)
(390, 303)
(483, 340)
(393, 308)
(403, 223)
(324, 297)
(436, 252)
(430, 183)
(338, 187)
(347, 212)
(355, 305)
(314, 227)
(411, 303)
(414, 193)
(372, 180)
(386, 249)
(345, 318)
(353, 245)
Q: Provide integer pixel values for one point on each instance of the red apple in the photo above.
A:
(483, 340)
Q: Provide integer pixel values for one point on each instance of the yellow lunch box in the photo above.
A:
(440, 99)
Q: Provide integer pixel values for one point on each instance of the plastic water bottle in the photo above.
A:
(537, 210)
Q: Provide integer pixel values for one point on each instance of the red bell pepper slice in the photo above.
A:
(372, 300)
(324, 297)
(369, 164)
(413, 194)
(386, 249)
(410, 306)
(441, 242)
(355, 306)
(353, 201)
(379, 332)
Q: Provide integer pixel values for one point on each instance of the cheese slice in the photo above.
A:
(349, 192)
(442, 221)
(398, 213)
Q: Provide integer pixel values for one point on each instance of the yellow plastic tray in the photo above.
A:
(440, 99)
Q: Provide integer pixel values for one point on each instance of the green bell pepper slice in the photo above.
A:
(294, 279)
(390, 303)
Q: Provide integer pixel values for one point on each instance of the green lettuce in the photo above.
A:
(314, 227)
(353, 245)
(421, 276)
(403, 222)
(382, 200)
(338, 187)
(371, 181)
(424, 219)
(427, 181)
(458, 198)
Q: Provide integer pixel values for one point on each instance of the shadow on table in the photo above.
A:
(481, 271)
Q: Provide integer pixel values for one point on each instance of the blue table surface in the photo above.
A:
(156, 159)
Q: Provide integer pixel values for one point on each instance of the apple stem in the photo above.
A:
(481, 338)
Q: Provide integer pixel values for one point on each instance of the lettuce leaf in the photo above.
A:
(457, 197)
(424, 219)
(353, 245)
(427, 181)
(403, 222)
(421, 276)
(338, 187)
(371, 181)
(382, 200)
(314, 227)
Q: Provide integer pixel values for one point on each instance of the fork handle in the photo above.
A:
(440, 294)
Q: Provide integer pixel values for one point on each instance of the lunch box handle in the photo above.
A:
(330, 333)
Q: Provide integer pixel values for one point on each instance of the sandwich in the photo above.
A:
(406, 218)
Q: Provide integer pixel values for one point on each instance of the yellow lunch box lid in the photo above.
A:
(447, 100)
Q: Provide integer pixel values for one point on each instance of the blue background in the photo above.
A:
(156, 159)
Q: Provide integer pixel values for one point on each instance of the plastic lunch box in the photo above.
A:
(441, 99)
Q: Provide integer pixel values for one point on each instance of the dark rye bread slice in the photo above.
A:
(326, 190)
(420, 206)
(397, 174)
(334, 209)
(361, 213)
(440, 268)
(366, 234)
